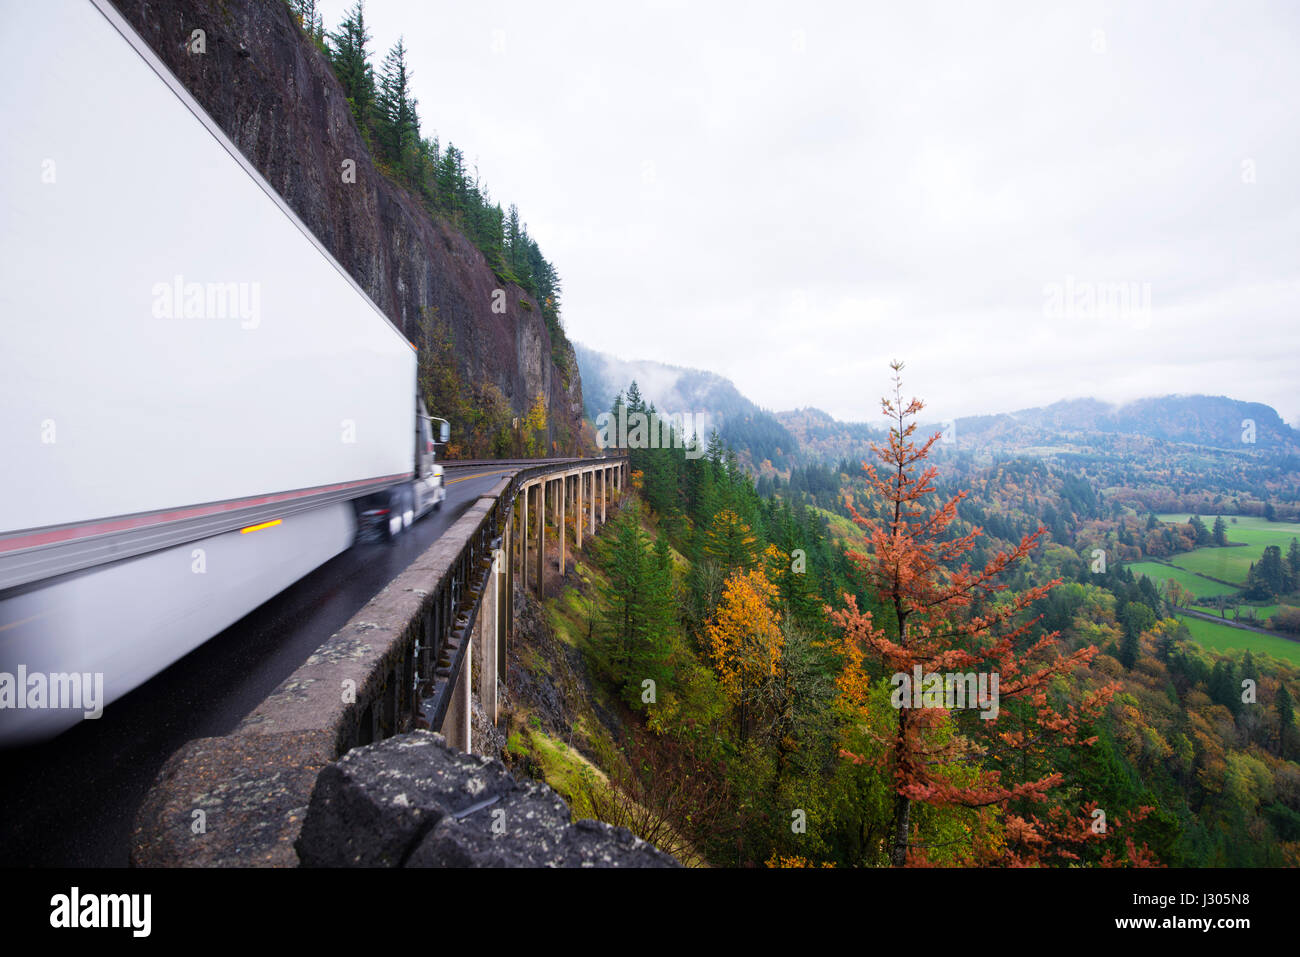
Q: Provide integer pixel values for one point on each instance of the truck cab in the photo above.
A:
(386, 514)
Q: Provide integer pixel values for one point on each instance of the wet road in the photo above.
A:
(70, 802)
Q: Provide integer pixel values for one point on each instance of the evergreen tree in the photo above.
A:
(639, 602)
(1220, 531)
(310, 19)
(1199, 530)
(1128, 650)
(730, 542)
(351, 61)
(1223, 686)
(1268, 577)
(634, 401)
(396, 119)
(1285, 719)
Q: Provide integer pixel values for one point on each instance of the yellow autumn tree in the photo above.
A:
(745, 641)
(534, 423)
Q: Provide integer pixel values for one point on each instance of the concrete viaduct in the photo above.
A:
(586, 489)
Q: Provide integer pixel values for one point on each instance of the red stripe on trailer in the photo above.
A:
(71, 533)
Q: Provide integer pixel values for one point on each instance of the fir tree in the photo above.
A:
(1220, 534)
(351, 62)
(397, 120)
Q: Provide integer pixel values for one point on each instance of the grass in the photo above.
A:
(1261, 612)
(572, 776)
(1228, 564)
(1249, 534)
(1220, 637)
(1248, 529)
(1159, 573)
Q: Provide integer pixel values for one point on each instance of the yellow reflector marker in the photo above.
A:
(258, 528)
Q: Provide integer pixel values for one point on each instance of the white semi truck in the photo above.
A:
(198, 405)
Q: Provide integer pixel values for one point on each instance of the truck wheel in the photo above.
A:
(399, 511)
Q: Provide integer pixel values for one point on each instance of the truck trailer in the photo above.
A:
(198, 404)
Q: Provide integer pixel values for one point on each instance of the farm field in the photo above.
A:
(1218, 637)
(1248, 530)
(1233, 563)
(1159, 573)
(1229, 564)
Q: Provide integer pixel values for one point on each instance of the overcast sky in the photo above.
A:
(793, 194)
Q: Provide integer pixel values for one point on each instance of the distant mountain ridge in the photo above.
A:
(806, 435)
(1212, 421)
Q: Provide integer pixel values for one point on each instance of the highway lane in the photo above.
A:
(71, 801)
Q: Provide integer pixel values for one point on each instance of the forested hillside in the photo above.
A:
(772, 630)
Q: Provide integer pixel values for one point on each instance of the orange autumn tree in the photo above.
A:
(946, 618)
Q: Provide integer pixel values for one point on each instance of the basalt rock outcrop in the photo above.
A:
(414, 801)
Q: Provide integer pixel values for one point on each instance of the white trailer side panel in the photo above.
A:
(115, 398)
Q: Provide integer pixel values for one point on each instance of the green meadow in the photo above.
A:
(1248, 535)
(1160, 573)
(1220, 637)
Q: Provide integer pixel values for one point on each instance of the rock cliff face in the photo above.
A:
(275, 95)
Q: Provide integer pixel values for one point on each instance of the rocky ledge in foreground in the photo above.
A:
(415, 801)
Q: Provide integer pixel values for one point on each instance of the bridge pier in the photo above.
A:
(506, 599)
(578, 517)
(541, 538)
(456, 725)
(523, 537)
(487, 632)
(493, 626)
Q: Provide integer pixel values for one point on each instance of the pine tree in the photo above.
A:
(1285, 719)
(1220, 531)
(310, 19)
(634, 401)
(730, 542)
(397, 120)
(640, 604)
(516, 254)
(1201, 533)
(351, 62)
(1223, 686)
